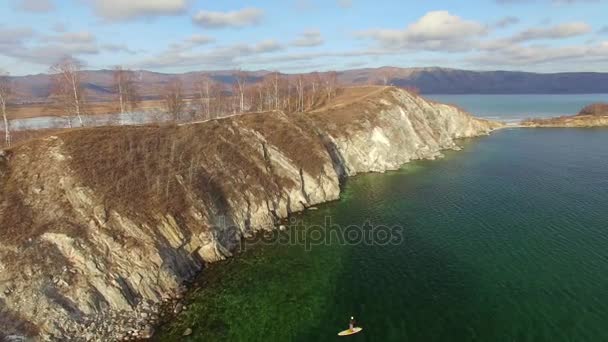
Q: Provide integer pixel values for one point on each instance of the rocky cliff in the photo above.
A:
(594, 115)
(99, 226)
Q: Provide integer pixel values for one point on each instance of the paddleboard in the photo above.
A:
(348, 332)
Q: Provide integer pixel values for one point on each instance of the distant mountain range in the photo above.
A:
(34, 88)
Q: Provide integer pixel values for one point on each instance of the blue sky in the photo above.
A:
(305, 35)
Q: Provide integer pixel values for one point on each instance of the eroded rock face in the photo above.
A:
(98, 227)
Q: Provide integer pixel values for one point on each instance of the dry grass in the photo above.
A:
(291, 133)
(147, 171)
(353, 108)
(21, 137)
(93, 108)
(596, 109)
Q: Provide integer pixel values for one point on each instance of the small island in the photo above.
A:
(594, 115)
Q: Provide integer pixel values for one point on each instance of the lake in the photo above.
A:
(514, 108)
(503, 241)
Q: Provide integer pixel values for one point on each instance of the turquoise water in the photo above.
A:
(503, 241)
(514, 108)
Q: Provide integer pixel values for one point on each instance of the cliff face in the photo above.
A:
(97, 226)
(594, 115)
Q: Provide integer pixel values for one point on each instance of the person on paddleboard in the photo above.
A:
(351, 324)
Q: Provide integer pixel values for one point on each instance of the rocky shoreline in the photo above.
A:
(594, 115)
(103, 228)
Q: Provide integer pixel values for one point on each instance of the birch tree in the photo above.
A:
(241, 83)
(273, 86)
(5, 93)
(387, 75)
(126, 92)
(203, 87)
(300, 92)
(314, 80)
(330, 83)
(217, 93)
(67, 87)
(174, 99)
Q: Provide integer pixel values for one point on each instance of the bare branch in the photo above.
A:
(127, 95)
(5, 93)
(67, 88)
(174, 98)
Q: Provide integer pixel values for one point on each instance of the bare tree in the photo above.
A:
(300, 92)
(174, 98)
(273, 86)
(241, 83)
(330, 83)
(203, 87)
(5, 93)
(387, 75)
(126, 91)
(217, 94)
(67, 87)
(315, 81)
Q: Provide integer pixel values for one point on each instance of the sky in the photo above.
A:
(305, 35)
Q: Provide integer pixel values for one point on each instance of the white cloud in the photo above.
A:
(240, 18)
(345, 3)
(83, 37)
(566, 30)
(438, 30)
(269, 45)
(229, 56)
(10, 36)
(24, 45)
(191, 42)
(200, 39)
(36, 6)
(59, 27)
(128, 9)
(118, 48)
(506, 22)
(308, 39)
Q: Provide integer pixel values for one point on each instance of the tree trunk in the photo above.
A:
(76, 101)
(120, 97)
(7, 131)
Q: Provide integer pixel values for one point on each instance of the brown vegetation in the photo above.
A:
(174, 99)
(593, 115)
(19, 137)
(596, 109)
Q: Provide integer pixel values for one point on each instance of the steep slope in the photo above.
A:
(99, 226)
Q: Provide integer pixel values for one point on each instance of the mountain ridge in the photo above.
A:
(429, 80)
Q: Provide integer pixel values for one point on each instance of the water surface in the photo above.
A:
(503, 241)
(514, 108)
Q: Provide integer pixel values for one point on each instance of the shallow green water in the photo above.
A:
(506, 240)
